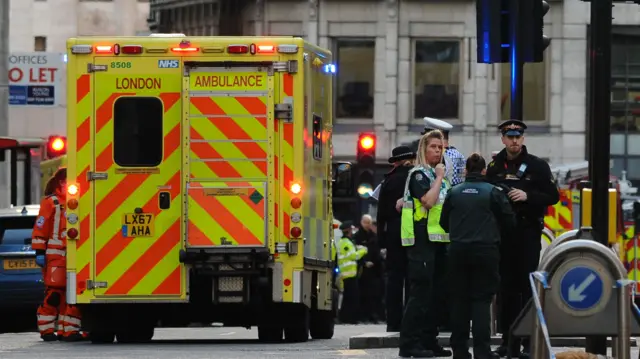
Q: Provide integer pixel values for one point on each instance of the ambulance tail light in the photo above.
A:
(104, 49)
(287, 49)
(72, 204)
(72, 233)
(185, 49)
(296, 232)
(72, 189)
(131, 49)
(238, 49)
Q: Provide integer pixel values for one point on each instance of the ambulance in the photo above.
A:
(200, 185)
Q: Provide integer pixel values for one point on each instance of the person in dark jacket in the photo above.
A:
(370, 279)
(388, 221)
(475, 213)
(532, 189)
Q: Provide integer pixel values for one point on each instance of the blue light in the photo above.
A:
(330, 68)
(337, 270)
(65, 58)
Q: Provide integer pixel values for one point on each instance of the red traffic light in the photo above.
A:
(367, 142)
(56, 146)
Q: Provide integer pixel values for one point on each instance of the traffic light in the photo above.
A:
(56, 146)
(533, 39)
(492, 24)
(366, 159)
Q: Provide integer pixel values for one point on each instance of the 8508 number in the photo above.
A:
(121, 65)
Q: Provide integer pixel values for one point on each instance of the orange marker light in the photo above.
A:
(102, 49)
(296, 188)
(72, 189)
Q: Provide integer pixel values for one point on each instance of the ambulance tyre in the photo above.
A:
(98, 337)
(137, 335)
(296, 329)
(322, 324)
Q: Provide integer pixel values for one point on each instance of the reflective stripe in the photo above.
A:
(68, 329)
(439, 237)
(46, 318)
(56, 252)
(38, 241)
(43, 327)
(72, 320)
(56, 218)
(56, 242)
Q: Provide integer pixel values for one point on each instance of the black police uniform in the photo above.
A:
(427, 277)
(474, 213)
(388, 219)
(520, 257)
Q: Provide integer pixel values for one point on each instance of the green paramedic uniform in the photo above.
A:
(426, 245)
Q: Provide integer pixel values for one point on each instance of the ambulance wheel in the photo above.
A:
(322, 324)
(269, 333)
(296, 329)
(98, 337)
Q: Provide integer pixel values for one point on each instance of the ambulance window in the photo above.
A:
(137, 131)
(317, 137)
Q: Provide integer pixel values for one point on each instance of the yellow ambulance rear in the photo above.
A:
(202, 173)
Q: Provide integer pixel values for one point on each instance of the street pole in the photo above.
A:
(517, 63)
(599, 130)
(4, 95)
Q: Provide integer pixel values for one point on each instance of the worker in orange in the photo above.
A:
(49, 240)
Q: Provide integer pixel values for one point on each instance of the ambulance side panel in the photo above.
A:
(136, 217)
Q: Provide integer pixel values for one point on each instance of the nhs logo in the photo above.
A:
(168, 64)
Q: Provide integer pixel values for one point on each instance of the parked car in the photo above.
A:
(21, 285)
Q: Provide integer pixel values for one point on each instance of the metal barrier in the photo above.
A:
(572, 298)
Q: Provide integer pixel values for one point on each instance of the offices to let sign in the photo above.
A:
(35, 78)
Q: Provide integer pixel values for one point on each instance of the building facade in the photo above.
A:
(43, 26)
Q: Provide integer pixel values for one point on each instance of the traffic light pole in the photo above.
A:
(517, 62)
(599, 130)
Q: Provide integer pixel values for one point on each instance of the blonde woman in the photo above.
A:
(425, 243)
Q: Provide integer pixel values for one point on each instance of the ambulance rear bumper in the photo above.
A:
(224, 255)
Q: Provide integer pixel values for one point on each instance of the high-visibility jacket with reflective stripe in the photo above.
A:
(413, 211)
(347, 255)
(49, 231)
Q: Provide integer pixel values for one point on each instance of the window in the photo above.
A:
(535, 92)
(317, 137)
(354, 75)
(16, 230)
(436, 76)
(40, 43)
(137, 131)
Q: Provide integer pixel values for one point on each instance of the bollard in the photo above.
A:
(553, 259)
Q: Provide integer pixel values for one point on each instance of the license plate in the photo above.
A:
(138, 225)
(17, 264)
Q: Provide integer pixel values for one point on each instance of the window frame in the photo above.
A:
(412, 92)
(161, 157)
(547, 61)
(336, 60)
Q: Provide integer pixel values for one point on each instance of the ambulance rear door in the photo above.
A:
(137, 178)
(231, 156)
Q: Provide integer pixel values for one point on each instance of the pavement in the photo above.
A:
(210, 342)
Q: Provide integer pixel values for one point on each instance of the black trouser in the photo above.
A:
(370, 286)
(518, 258)
(397, 286)
(427, 280)
(473, 281)
(350, 309)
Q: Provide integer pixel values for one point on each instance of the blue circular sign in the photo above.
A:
(581, 288)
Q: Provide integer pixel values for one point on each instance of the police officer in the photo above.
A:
(531, 189)
(454, 159)
(389, 234)
(473, 214)
(426, 245)
(347, 255)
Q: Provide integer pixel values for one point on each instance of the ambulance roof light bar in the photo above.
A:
(81, 49)
(287, 49)
(238, 49)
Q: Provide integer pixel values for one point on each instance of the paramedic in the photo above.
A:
(49, 242)
(426, 245)
(531, 189)
(347, 255)
(474, 214)
(453, 158)
(389, 235)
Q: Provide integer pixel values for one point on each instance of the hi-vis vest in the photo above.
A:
(348, 256)
(413, 211)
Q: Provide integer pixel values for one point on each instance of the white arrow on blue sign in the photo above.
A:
(581, 288)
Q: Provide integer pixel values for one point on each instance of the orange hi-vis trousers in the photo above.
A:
(56, 316)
